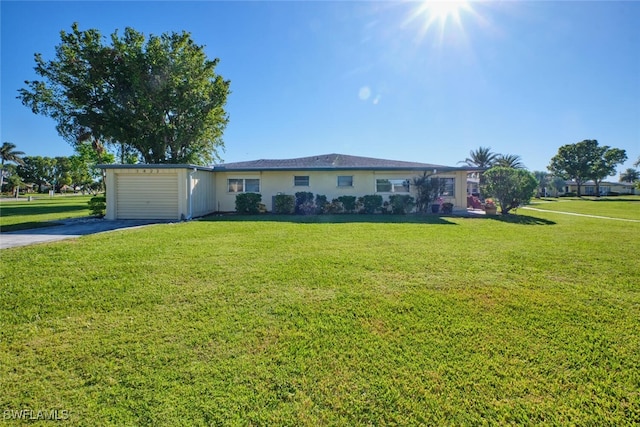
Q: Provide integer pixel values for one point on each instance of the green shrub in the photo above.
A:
(248, 203)
(304, 203)
(348, 203)
(335, 207)
(371, 203)
(98, 206)
(284, 204)
(401, 203)
(321, 203)
(447, 208)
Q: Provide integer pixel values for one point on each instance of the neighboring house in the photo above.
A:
(606, 188)
(186, 191)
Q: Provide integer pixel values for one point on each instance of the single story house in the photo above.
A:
(167, 191)
(606, 188)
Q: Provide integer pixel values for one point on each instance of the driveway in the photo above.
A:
(68, 229)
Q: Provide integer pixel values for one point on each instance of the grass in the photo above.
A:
(324, 321)
(22, 214)
(627, 207)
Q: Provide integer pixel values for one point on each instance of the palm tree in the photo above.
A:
(637, 163)
(481, 158)
(543, 181)
(630, 175)
(8, 153)
(509, 161)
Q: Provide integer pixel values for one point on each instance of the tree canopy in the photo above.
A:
(512, 187)
(8, 153)
(586, 160)
(157, 97)
(509, 161)
(483, 157)
(630, 175)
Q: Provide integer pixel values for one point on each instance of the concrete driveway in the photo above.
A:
(68, 229)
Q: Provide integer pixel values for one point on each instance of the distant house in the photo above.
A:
(606, 188)
(186, 191)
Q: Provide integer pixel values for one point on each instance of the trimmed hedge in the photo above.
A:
(248, 203)
(371, 203)
(284, 204)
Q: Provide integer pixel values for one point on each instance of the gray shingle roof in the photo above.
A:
(329, 162)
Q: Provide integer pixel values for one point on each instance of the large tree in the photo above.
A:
(8, 153)
(605, 164)
(158, 97)
(512, 187)
(575, 162)
(37, 170)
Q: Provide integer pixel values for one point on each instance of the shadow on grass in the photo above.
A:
(333, 219)
(612, 199)
(26, 226)
(30, 208)
(521, 219)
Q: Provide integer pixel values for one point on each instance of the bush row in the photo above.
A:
(306, 203)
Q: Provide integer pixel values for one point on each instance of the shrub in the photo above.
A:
(371, 203)
(248, 203)
(321, 203)
(401, 203)
(512, 187)
(348, 203)
(447, 208)
(304, 202)
(335, 207)
(284, 204)
(98, 206)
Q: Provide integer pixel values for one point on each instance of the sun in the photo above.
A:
(439, 13)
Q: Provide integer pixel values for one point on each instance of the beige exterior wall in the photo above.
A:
(203, 192)
(147, 199)
(614, 187)
(326, 183)
(138, 193)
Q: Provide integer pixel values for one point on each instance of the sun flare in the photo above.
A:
(439, 13)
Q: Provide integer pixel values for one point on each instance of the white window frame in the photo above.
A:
(398, 185)
(449, 186)
(243, 185)
(343, 177)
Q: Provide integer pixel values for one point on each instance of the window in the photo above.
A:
(392, 185)
(243, 185)
(301, 180)
(448, 187)
(345, 181)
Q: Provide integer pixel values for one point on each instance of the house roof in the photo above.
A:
(154, 166)
(324, 162)
(330, 162)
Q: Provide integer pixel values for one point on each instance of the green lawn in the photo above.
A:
(627, 207)
(352, 320)
(22, 214)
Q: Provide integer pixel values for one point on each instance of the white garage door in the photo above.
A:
(147, 196)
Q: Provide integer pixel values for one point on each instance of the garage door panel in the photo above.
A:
(147, 196)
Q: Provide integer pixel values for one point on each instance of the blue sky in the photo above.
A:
(377, 79)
